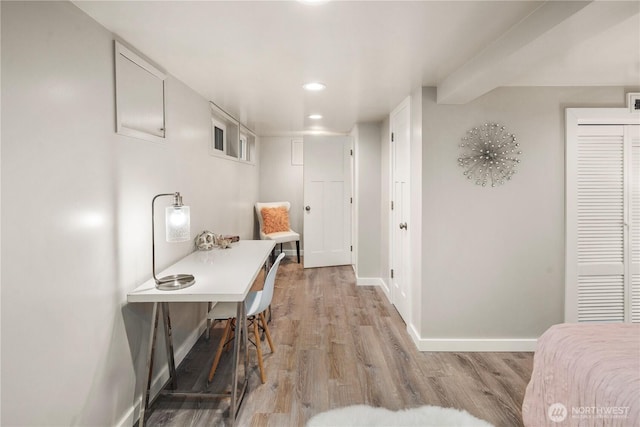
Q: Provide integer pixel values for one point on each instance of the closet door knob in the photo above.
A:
(307, 208)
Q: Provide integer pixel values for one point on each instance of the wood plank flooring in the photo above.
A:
(338, 344)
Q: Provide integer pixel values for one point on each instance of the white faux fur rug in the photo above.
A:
(424, 416)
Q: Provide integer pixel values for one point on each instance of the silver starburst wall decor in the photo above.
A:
(489, 155)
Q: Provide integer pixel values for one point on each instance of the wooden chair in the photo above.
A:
(255, 304)
(282, 236)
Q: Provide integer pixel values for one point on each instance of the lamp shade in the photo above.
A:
(178, 223)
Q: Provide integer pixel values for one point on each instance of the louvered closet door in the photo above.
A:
(603, 219)
(600, 219)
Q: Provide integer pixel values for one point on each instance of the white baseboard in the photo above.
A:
(289, 252)
(386, 289)
(374, 281)
(128, 419)
(369, 281)
(133, 413)
(472, 344)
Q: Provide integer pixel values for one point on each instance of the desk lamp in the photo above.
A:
(177, 222)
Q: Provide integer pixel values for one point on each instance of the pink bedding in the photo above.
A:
(585, 375)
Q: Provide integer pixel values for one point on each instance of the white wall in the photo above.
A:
(282, 181)
(367, 154)
(488, 265)
(493, 258)
(76, 218)
(416, 218)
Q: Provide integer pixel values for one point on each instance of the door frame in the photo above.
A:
(575, 117)
(406, 103)
(354, 206)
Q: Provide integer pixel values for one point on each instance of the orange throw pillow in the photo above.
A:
(274, 220)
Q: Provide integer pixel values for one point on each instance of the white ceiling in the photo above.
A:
(251, 58)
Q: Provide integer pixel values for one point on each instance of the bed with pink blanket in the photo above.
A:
(585, 375)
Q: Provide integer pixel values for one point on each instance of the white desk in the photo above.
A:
(221, 275)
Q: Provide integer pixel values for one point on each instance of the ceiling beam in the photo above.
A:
(552, 28)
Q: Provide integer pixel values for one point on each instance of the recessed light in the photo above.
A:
(314, 86)
(315, 116)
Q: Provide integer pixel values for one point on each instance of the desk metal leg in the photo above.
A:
(241, 340)
(209, 307)
(168, 340)
(151, 350)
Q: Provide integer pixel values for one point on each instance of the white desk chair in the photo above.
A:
(255, 305)
(280, 236)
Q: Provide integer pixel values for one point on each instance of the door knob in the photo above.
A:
(403, 226)
(307, 208)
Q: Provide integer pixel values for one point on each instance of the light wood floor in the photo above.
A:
(338, 344)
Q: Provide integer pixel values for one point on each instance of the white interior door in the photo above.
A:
(400, 237)
(327, 200)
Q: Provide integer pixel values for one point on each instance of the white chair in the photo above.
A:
(255, 305)
(282, 236)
